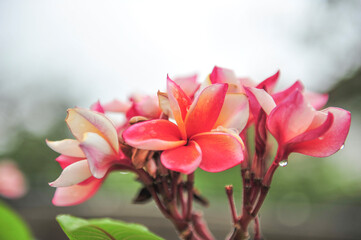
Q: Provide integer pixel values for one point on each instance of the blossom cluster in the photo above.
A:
(193, 125)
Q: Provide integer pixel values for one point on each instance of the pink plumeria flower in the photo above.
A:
(87, 159)
(12, 180)
(299, 127)
(190, 143)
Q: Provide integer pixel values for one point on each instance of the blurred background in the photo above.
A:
(56, 55)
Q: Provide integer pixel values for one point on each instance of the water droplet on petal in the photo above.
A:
(320, 138)
(283, 163)
(342, 147)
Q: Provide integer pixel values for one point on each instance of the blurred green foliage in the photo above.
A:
(11, 225)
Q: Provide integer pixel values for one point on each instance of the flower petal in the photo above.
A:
(332, 140)
(317, 100)
(97, 107)
(81, 121)
(147, 106)
(68, 147)
(99, 153)
(290, 118)
(315, 132)
(205, 110)
(234, 112)
(269, 84)
(153, 135)
(280, 96)
(220, 151)
(184, 159)
(73, 195)
(188, 84)
(224, 75)
(65, 161)
(73, 174)
(260, 98)
(116, 106)
(179, 103)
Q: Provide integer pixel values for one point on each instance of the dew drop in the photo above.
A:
(283, 163)
(320, 138)
(342, 147)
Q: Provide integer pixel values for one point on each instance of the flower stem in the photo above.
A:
(190, 183)
(257, 229)
(229, 191)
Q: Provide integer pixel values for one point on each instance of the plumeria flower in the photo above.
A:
(299, 127)
(190, 143)
(12, 180)
(87, 159)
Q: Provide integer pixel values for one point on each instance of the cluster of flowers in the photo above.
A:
(195, 125)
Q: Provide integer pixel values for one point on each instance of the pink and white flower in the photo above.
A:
(87, 159)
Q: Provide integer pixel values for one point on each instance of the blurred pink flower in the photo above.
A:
(12, 180)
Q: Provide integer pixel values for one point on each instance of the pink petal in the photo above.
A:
(153, 135)
(188, 84)
(332, 140)
(269, 84)
(317, 100)
(68, 147)
(290, 118)
(259, 97)
(65, 161)
(234, 112)
(148, 107)
(116, 106)
(315, 132)
(184, 159)
(81, 121)
(179, 103)
(280, 96)
(99, 153)
(97, 107)
(73, 174)
(73, 195)
(220, 151)
(246, 82)
(205, 109)
(224, 75)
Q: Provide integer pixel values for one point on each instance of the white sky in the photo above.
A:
(107, 49)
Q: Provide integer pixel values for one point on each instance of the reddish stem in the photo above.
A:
(257, 229)
(201, 227)
(229, 191)
(181, 200)
(190, 183)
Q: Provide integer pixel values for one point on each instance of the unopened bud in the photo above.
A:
(229, 189)
(137, 119)
(139, 157)
(151, 167)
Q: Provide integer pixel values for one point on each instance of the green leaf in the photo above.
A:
(11, 225)
(103, 229)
